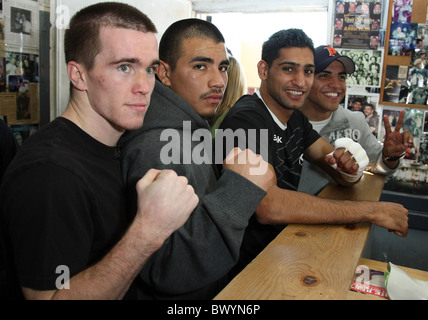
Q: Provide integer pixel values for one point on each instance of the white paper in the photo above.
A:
(401, 286)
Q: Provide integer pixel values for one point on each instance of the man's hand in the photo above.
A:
(251, 166)
(343, 161)
(349, 157)
(165, 202)
(396, 142)
(391, 216)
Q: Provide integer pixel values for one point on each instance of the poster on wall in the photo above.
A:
(21, 107)
(413, 121)
(368, 104)
(395, 86)
(423, 153)
(22, 64)
(357, 24)
(21, 23)
(393, 113)
(426, 123)
(402, 11)
(402, 39)
(368, 67)
(417, 95)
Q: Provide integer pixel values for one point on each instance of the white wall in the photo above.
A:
(257, 6)
(162, 12)
(246, 32)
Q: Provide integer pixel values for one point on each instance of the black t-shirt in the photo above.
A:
(283, 148)
(63, 203)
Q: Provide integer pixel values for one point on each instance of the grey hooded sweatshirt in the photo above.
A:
(344, 124)
(193, 263)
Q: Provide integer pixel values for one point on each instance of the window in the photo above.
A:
(246, 32)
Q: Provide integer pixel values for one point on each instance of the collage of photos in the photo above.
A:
(407, 84)
(412, 176)
(359, 35)
(19, 66)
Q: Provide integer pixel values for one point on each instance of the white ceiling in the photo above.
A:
(252, 6)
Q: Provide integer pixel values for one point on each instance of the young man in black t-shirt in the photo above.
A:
(287, 74)
(65, 232)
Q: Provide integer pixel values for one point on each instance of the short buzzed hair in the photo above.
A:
(290, 38)
(170, 47)
(82, 42)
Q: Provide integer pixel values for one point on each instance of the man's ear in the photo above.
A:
(164, 73)
(263, 69)
(77, 76)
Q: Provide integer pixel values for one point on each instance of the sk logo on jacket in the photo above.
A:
(277, 139)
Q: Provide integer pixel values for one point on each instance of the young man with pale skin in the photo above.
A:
(287, 75)
(75, 218)
(195, 261)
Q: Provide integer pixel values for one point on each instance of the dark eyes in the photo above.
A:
(202, 67)
(292, 69)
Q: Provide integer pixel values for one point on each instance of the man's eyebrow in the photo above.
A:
(329, 72)
(225, 62)
(202, 59)
(209, 60)
(310, 65)
(125, 60)
(134, 61)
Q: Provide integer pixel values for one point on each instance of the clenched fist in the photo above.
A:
(165, 202)
(251, 166)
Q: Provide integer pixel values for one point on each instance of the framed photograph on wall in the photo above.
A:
(414, 122)
(393, 114)
(426, 122)
(395, 85)
(21, 24)
(357, 24)
(368, 67)
(368, 104)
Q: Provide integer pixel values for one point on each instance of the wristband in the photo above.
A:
(391, 159)
(351, 177)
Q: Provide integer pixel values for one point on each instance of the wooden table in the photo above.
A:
(309, 261)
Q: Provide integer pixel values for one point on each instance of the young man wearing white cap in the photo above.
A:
(331, 122)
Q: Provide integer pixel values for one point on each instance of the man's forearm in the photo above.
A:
(111, 277)
(282, 206)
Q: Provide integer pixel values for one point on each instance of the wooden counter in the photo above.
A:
(309, 261)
